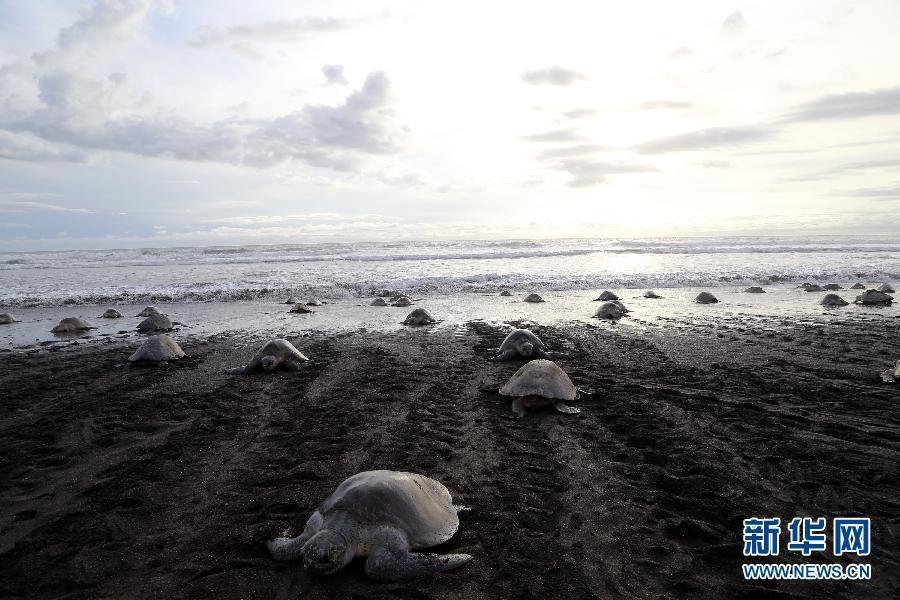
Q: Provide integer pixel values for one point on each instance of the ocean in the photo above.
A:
(360, 270)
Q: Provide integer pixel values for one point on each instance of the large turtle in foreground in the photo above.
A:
(533, 298)
(419, 316)
(383, 516)
(610, 310)
(72, 325)
(6, 319)
(521, 342)
(274, 354)
(540, 383)
(833, 300)
(705, 298)
(157, 349)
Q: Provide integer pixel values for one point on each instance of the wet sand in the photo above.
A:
(119, 482)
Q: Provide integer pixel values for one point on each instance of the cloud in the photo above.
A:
(716, 164)
(890, 192)
(568, 151)
(586, 172)
(31, 148)
(663, 105)
(281, 30)
(20, 202)
(581, 113)
(87, 114)
(848, 106)
(681, 52)
(704, 138)
(734, 23)
(334, 74)
(557, 135)
(552, 76)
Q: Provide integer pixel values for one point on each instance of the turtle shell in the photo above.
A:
(542, 378)
(111, 313)
(831, 287)
(157, 349)
(6, 319)
(157, 322)
(518, 335)
(72, 324)
(533, 298)
(885, 288)
(609, 310)
(282, 349)
(833, 300)
(858, 286)
(754, 290)
(419, 316)
(874, 297)
(417, 505)
(378, 302)
(651, 294)
(607, 296)
(150, 310)
(705, 298)
(300, 308)
(402, 301)
(292, 300)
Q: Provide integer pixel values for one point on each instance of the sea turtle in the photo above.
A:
(521, 342)
(111, 313)
(833, 300)
(72, 325)
(378, 302)
(156, 349)
(292, 300)
(606, 296)
(153, 323)
(274, 354)
(858, 286)
(314, 302)
(6, 319)
(832, 287)
(300, 308)
(150, 310)
(419, 316)
(506, 293)
(382, 516)
(885, 288)
(609, 310)
(539, 383)
(705, 298)
(755, 289)
(874, 297)
(651, 294)
(402, 301)
(533, 298)
(812, 287)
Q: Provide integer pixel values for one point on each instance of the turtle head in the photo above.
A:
(526, 348)
(268, 363)
(327, 552)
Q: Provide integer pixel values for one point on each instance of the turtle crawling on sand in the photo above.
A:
(111, 313)
(755, 289)
(153, 323)
(300, 308)
(150, 310)
(606, 296)
(274, 354)
(858, 286)
(521, 342)
(833, 300)
(610, 310)
(292, 300)
(705, 298)
(419, 316)
(402, 301)
(314, 302)
(832, 287)
(812, 287)
(651, 294)
(874, 297)
(540, 383)
(383, 516)
(72, 325)
(156, 349)
(378, 302)
(885, 288)
(506, 293)
(6, 319)
(533, 298)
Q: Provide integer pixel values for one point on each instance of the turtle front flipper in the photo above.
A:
(569, 410)
(505, 355)
(541, 353)
(237, 370)
(292, 365)
(284, 548)
(390, 558)
(518, 408)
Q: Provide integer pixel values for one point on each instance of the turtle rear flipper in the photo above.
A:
(390, 559)
(569, 410)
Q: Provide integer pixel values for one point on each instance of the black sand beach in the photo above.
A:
(120, 482)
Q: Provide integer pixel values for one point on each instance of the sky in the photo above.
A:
(138, 123)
